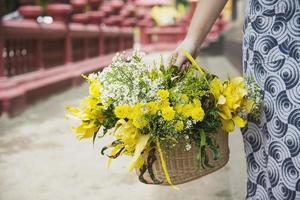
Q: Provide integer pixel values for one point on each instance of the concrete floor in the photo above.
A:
(40, 159)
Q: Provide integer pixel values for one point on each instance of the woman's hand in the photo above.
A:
(206, 13)
(188, 44)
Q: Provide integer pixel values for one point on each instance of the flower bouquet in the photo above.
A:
(173, 124)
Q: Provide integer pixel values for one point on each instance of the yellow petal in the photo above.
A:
(228, 125)
(240, 122)
(238, 81)
(216, 87)
(248, 105)
(242, 92)
(114, 151)
(221, 100)
(235, 106)
(141, 144)
(178, 107)
(198, 114)
(168, 113)
(73, 110)
(225, 112)
(197, 102)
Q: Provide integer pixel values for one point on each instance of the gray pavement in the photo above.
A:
(40, 159)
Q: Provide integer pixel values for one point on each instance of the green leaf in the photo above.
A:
(202, 138)
(216, 153)
(94, 137)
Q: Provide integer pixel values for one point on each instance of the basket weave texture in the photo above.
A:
(183, 166)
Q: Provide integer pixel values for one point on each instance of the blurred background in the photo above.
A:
(45, 46)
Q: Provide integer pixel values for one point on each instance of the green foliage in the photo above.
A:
(188, 84)
(109, 119)
(43, 3)
(183, 2)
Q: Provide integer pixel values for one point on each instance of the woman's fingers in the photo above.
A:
(179, 61)
(184, 66)
(173, 58)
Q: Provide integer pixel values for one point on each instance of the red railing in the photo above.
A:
(177, 32)
(29, 46)
(37, 59)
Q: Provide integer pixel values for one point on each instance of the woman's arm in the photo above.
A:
(206, 13)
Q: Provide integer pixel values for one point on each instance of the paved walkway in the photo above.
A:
(40, 159)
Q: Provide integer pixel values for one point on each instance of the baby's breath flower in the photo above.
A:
(126, 81)
(188, 147)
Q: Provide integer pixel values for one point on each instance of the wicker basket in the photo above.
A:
(183, 165)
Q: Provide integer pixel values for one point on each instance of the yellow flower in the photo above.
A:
(179, 125)
(75, 111)
(228, 125)
(248, 105)
(133, 141)
(233, 100)
(152, 107)
(94, 86)
(91, 116)
(122, 111)
(240, 122)
(163, 94)
(168, 113)
(239, 82)
(94, 89)
(164, 104)
(216, 87)
(230, 97)
(184, 98)
(136, 111)
(197, 102)
(178, 107)
(127, 133)
(140, 122)
(187, 110)
(136, 114)
(234, 92)
(198, 114)
(85, 130)
(225, 112)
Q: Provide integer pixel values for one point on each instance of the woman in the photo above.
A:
(271, 55)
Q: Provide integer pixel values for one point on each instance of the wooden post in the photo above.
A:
(121, 40)
(38, 52)
(101, 43)
(60, 13)
(2, 71)
(94, 4)
(68, 47)
(143, 34)
(86, 48)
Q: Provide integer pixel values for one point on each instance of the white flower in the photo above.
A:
(126, 81)
(188, 124)
(188, 147)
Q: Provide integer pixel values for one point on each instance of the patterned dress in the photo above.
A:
(271, 52)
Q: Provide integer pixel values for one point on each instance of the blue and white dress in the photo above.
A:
(271, 52)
